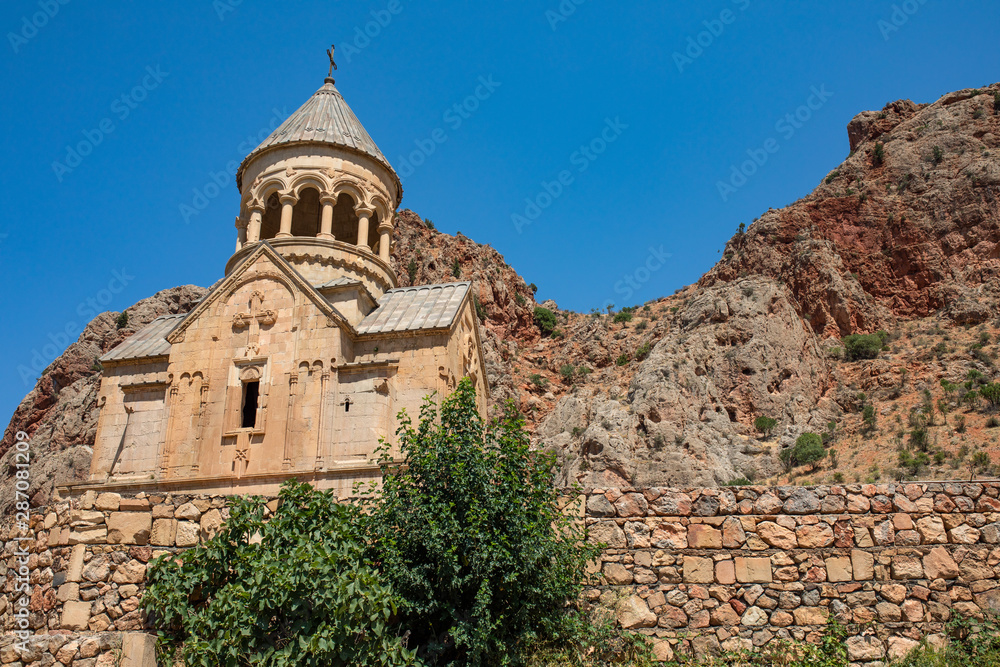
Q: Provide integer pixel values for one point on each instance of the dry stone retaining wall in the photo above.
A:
(695, 569)
(737, 568)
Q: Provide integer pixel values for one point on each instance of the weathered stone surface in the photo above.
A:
(815, 536)
(129, 527)
(802, 501)
(634, 613)
(75, 616)
(602, 532)
(906, 567)
(753, 617)
(752, 570)
(938, 564)
(862, 565)
(188, 532)
(810, 616)
(698, 570)
(865, 648)
(776, 536)
(701, 536)
(617, 574)
(839, 568)
(931, 530)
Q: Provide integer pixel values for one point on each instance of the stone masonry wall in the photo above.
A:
(87, 570)
(730, 568)
(695, 569)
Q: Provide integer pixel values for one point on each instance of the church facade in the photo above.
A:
(297, 362)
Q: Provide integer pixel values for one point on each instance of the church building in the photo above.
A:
(297, 362)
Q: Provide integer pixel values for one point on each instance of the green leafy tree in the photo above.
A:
(864, 346)
(765, 425)
(411, 271)
(991, 392)
(545, 319)
(468, 527)
(301, 595)
(808, 450)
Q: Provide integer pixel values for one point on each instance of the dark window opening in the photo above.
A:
(347, 405)
(251, 393)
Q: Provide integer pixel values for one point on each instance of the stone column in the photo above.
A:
(287, 202)
(384, 241)
(326, 222)
(364, 215)
(241, 233)
(253, 228)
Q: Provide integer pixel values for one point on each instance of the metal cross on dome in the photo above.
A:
(333, 65)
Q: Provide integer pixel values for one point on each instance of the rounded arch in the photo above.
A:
(382, 208)
(349, 188)
(272, 185)
(308, 180)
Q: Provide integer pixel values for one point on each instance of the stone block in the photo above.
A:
(814, 537)
(108, 502)
(616, 574)
(938, 564)
(839, 568)
(810, 615)
(138, 650)
(188, 532)
(931, 529)
(95, 535)
(75, 615)
(862, 565)
(701, 536)
(163, 533)
(776, 536)
(129, 527)
(906, 567)
(75, 570)
(698, 570)
(130, 572)
(752, 570)
(634, 614)
(725, 572)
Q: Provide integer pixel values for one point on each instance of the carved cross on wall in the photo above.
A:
(254, 319)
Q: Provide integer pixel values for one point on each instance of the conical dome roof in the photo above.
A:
(325, 118)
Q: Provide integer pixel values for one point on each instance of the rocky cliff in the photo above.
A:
(902, 236)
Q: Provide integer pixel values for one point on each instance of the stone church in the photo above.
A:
(297, 362)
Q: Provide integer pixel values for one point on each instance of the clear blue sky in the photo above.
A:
(199, 78)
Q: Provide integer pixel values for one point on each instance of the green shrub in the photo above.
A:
(456, 269)
(878, 155)
(480, 311)
(545, 319)
(643, 351)
(411, 271)
(864, 346)
(567, 371)
(428, 223)
(122, 321)
(938, 155)
(868, 417)
(623, 359)
(623, 316)
(231, 601)
(538, 380)
(808, 450)
(469, 528)
(518, 299)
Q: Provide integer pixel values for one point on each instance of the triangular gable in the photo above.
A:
(223, 288)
